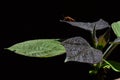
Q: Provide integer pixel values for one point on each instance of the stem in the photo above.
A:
(94, 38)
(109, 50)
(113, 45)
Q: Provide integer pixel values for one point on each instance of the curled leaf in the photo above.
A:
(100, 24)
(78, 49)
(38, 48)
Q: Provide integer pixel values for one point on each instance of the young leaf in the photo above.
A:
(101, 24)
(113, 64)
(39, 48)
(78, 49)
(116, 28)
(103, 40)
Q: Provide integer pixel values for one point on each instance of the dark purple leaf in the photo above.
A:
(100, 24)
(78, 49)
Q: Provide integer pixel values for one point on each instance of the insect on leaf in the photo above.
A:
(100, 24)
(67, 18)
(78, 49)
(39, 48)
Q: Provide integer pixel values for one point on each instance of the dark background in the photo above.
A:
(37, 20)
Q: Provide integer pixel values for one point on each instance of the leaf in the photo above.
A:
(101, 24)
(116, 41)
(113, 64)
(39, 48)
(116, 28)
(103, 39)
(78, 49)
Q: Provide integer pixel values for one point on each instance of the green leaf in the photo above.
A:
(103, 40)
(78, 49)
(39, 48)
(113, 64)
(116, 28)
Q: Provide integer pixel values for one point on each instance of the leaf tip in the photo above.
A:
(66, 60)
(6, 49)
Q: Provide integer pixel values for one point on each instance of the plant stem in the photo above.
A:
(109, 50)
(94, 38)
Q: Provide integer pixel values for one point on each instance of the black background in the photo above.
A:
(37, 20)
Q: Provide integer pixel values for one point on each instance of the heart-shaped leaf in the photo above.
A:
(78, 49)
(100, 24)
(116, 28)
(39, 48)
